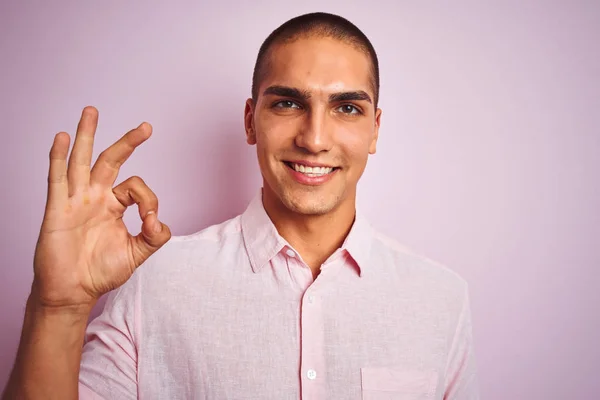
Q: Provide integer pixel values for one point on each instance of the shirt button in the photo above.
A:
(290, 253)
(311, 299)
(311, 374)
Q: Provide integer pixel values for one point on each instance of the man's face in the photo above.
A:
(314, 124)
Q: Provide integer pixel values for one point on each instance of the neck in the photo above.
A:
(315, 237)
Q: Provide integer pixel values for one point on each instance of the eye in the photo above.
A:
(349, 109)
(286, 104)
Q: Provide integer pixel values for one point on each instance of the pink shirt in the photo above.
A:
(232, 312)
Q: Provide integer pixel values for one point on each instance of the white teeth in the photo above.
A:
(312, 171)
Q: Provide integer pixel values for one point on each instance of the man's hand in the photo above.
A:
(84, 249)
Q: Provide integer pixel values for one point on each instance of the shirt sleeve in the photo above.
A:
(109, 360)
(461, 371)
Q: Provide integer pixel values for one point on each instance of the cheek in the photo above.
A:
(274, 135)
(355, 144)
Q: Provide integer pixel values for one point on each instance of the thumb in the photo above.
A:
(153, 236)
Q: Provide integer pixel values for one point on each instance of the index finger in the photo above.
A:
(106, 168)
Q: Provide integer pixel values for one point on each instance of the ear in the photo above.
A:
(249, 122)
(373, 145)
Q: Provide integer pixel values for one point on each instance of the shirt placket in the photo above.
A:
(312, 355)
(312, 370)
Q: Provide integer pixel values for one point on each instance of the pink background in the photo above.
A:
(488, 161)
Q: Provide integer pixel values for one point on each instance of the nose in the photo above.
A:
(314, 134)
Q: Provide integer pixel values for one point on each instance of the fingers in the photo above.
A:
(153, 236)
(154, 233)
(81, 156)
(58, 186)
(106, 168)
(135, 191)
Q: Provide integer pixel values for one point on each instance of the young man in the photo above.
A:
(298, 297)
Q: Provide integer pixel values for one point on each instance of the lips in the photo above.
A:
(310, 171)
(314, 174)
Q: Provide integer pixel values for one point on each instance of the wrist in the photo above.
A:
(72, 313)
(36, 304)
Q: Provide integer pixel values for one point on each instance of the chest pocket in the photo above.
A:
(398, 384)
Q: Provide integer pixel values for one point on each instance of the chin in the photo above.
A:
(310, 203)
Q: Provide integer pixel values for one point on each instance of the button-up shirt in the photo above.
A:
(233, 312)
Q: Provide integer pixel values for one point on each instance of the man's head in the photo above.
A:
(315, 90)
(316, 25)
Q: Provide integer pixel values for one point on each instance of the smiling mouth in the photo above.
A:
(311, 172)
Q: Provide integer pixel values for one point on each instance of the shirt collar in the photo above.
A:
(260, 236)
(263, 242)
(358, 242)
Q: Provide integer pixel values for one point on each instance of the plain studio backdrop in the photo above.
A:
(488, 159)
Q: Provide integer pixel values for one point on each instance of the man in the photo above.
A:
(298, 297)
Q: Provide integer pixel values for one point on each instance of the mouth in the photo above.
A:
(311, 171)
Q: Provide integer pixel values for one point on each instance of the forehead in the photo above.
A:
(318, 64)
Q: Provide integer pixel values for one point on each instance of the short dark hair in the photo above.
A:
(317, 24)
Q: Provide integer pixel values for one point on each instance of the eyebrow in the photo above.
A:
(356, 95)
(285, 91)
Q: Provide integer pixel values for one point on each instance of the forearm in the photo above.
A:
(49, 354)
